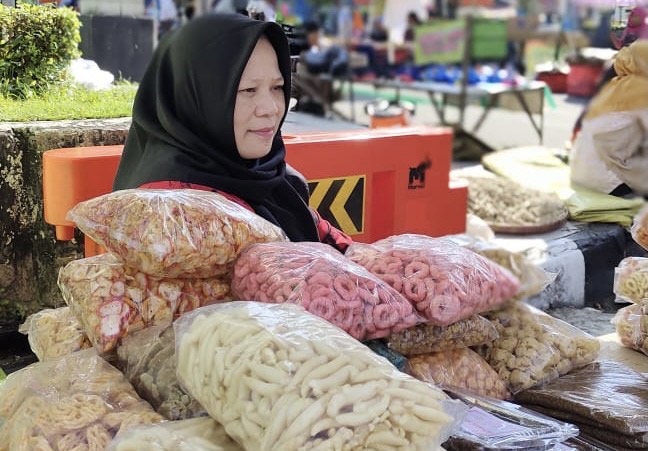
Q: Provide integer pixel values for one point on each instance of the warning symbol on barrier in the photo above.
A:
(340, 201)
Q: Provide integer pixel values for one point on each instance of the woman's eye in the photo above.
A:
(249, 90)
(278, 88)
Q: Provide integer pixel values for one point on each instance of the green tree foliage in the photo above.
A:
(37, 43)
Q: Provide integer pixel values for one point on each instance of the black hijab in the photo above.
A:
(183, 120)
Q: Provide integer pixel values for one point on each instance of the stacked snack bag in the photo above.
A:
(169, 251)
(276, 369)
(631, 285)
(639, 229)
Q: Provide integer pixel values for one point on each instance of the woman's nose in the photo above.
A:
(267, 104)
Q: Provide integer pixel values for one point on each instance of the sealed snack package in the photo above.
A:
(532, 278)
(426, 338)
(111, 300)
(639, 229)
(147, 359)
(54, 333)
(279, 378)
(324, 282)
(606, 400)
(444, 282)
(534, 347)
(631, 279)
(198, 434)
(631, 325)
(478, 229)
(493, 424)
(459, 368)
(78, 401)
(172, 233)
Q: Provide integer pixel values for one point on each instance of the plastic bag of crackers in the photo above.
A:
(78, 401)
(173, 232)
(639, 229)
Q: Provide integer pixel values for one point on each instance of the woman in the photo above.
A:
(636, 28)
(610, 154)
(413, 21)
(207, 115)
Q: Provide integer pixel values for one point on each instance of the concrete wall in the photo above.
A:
(29, 254)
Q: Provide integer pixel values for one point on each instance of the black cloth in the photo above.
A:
(182, 127)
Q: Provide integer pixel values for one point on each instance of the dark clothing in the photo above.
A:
(182, 128)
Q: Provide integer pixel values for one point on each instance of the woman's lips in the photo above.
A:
(264, 132)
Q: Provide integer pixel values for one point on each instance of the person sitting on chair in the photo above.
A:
(313, 84)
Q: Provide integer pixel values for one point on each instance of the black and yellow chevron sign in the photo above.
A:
(340, 201)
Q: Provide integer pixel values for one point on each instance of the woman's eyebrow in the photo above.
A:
(259, 79)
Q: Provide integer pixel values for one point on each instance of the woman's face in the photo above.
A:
(260, 102)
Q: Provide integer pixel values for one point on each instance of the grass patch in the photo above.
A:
(71, 102)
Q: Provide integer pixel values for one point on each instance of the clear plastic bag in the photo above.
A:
(279, 378)
(78, 401)
(197, 434)
(147, 359)
(639, 228)
(606, 400)
(426, 338)
(534, 347)
(631, 325)
(111, 300)
(459, 368)
(324, 282)
(631, 279)
(532, 278)
(444, 282)
(493, 424)
(54, 333)
(173, 232)
(477, 228)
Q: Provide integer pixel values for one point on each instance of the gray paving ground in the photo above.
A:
(591, 320)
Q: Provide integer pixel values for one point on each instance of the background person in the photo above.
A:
(610, 154)
(207, 115)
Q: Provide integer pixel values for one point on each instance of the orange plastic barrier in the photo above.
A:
(71, 175)
(371, 184)
(382, 181)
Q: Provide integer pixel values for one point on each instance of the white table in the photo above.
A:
(528, 98)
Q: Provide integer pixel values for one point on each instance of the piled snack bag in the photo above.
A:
(631, 285)
(278, 377)
(169, 251)
(324, 282)
(639, 229)
(283, 368)
(470, 292)
(443, 281)
(54, 333)
(78, 401)
(534, 348)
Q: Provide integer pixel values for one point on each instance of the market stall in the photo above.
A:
(204, 327)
